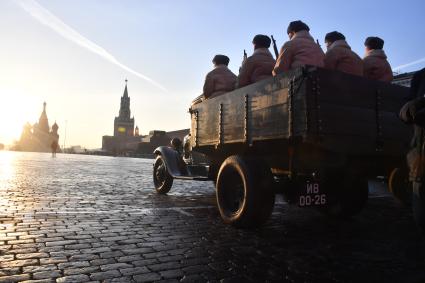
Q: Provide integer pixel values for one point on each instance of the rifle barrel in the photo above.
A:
(276, 52)
(317, 41)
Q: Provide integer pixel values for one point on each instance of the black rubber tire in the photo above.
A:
(244, 191)
(418, 205)
(347, 193)
(213, 172)
(161, 178)
(399, 185)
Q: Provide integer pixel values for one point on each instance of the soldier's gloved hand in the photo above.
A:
(414, 112)
(404, 114)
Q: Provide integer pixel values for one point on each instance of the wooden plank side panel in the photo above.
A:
(300, 111)
(394, 129)
(270, 122)
(267, 113)
(271, 113)
(233, 119)
(349, 90)
(360, 130)
(349, 128)
(208, 123)
(341, 119)
(338, 113)
(391, 97)
(356, 145)
(344, 90)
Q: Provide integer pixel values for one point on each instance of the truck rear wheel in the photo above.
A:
(213, 171)
(347, 193)
(418, 205)
(161, 178)
(244, 192)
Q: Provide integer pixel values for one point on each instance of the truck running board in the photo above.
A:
(194, 178)
(194, 172)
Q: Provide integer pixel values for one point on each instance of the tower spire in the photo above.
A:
(125, 89)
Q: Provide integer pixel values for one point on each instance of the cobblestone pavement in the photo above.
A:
(82, 218)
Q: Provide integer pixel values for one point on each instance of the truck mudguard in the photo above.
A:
(173, 161)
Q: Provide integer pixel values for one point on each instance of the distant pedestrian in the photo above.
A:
(375, 64)
(54, 146)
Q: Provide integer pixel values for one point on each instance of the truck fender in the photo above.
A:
(173, 160)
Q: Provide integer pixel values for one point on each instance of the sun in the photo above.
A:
(15, 110)
(6, 167)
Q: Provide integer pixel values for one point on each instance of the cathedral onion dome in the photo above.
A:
(55, 127)
(43, 122)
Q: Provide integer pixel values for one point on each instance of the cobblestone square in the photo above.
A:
(81, 218)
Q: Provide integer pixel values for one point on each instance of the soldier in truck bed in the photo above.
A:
(339, 55)
(259, 65)
(220, 80)
(375, 64)
(301, 49)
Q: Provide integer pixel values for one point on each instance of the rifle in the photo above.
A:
(317, 41)
(275, 47)
(245, 56)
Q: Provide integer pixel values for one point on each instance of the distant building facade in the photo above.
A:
(159, 138)
(126, 137)
(403, 79)
(38, 137)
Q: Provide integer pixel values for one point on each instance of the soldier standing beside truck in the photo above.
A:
(339, 55)
(413, 112)
(301, 49)
(375, 64)
(259, 65)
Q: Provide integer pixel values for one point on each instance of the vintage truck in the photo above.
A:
(313, 135)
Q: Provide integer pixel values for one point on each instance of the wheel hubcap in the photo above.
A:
(233, 192)
(160, 173)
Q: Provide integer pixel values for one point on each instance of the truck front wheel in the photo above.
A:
(161, 178)
(244, 192)
(418, 205)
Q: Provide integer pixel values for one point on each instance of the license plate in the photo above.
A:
(311, 196)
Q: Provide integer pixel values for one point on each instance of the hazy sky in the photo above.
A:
(75, 55)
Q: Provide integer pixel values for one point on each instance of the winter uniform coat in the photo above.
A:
(413, 112)
(376, 66)
(257, 67)
(340, 57)
(219, 81)
(300, 50)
